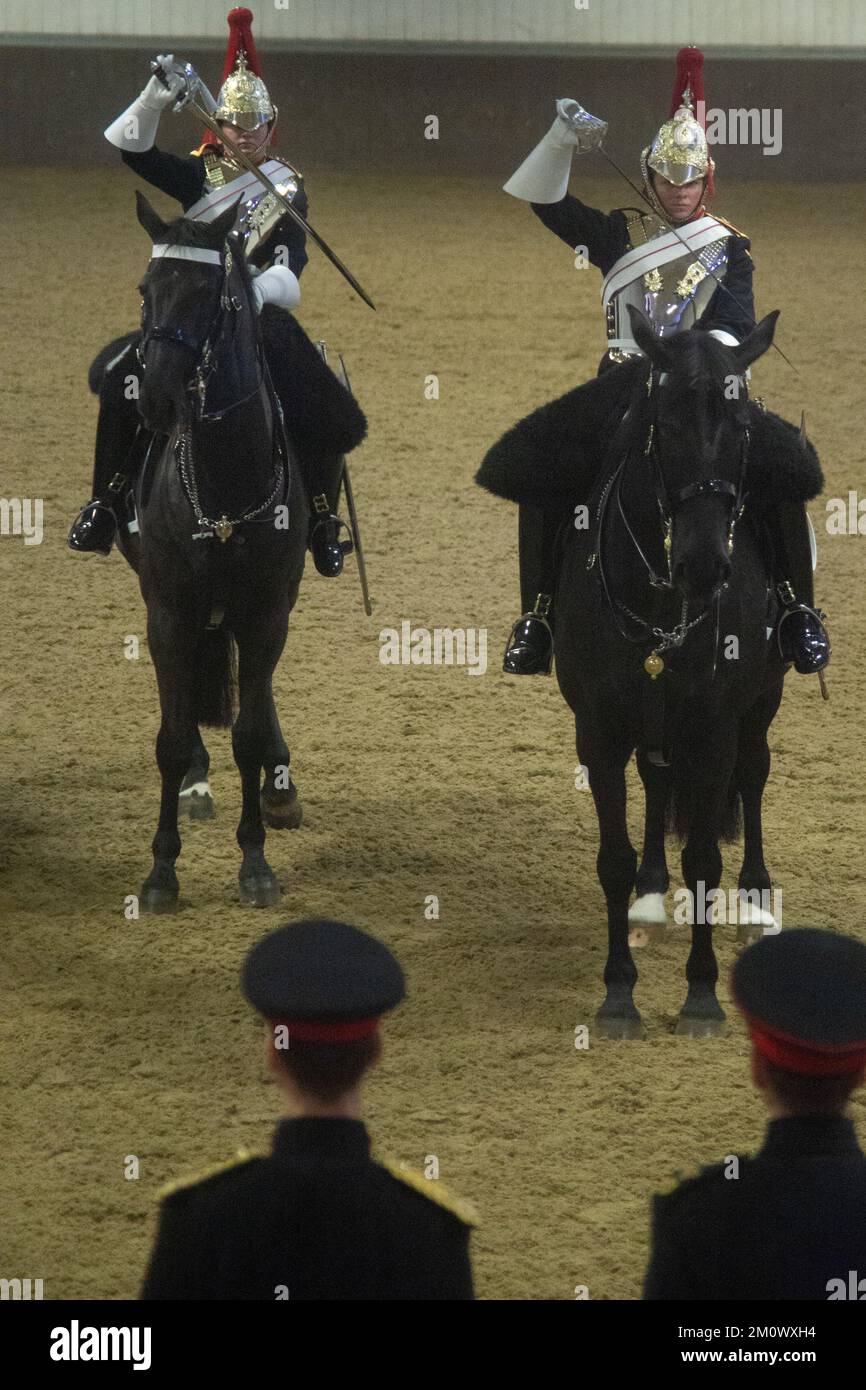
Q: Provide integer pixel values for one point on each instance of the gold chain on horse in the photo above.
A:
(222, 526)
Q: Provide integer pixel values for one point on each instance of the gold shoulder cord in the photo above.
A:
(430, 1188)
(242, 1156)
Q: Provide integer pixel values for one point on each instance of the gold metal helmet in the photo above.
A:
(243, 98)
(679, 151)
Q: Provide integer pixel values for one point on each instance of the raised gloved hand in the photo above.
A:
(156, 95)
(543, 175)
(578, 127)
(135, 130)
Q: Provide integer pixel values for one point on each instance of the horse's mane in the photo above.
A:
(697, 364)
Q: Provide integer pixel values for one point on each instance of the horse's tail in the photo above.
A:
(682, 803)
(215, 689)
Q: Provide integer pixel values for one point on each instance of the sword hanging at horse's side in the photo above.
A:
(346, 483)
(197, 98)
(353, 515)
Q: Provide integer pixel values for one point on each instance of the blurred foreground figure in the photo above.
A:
(789, 1223)
(317, 1218)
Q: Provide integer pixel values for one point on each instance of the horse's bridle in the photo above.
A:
(200, 348)
(668, 504)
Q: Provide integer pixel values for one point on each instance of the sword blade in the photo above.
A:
(353, 515)
(239, 157)
(346, 484)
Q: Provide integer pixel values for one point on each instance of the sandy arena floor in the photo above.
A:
(131, 1037)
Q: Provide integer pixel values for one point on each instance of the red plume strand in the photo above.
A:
(690, 67)
(240, 22)
(690, 75)
(240, 39)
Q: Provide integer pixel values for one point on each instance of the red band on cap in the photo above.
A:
(337, 1030)
(806, 1061)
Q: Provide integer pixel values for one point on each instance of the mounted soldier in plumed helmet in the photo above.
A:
(322, 419)
(682, 268)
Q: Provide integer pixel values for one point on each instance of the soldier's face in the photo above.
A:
(678, 200)
(252, 143)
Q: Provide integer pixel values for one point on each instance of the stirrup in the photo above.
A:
(94, 529)
(529, 651)
(326, 547)
(801, 636)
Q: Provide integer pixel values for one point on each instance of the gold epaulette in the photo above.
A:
(634, 221)
(730, 226)
(431, 1188)
(242, 1156)
(291, 167)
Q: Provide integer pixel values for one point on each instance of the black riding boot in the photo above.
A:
(95, 527)
(324, 474)
(530, 645)
(800, 633)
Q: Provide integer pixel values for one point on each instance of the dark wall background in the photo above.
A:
(366, 109)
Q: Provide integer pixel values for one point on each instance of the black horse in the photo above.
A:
(649, 599)
(663, 604)
(222, 525)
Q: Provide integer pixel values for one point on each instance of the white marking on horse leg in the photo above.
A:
(197, 789)
(649, 907)
(750, 915)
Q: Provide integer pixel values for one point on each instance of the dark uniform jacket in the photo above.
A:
(316, 1219)
(606, 238)
(793, 1220)
(183, 177)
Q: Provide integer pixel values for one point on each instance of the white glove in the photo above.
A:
(136, 128)
(277, 285)
(157, 97)
(543, 175)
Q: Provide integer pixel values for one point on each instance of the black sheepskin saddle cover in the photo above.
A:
(322, 417)
(553, 457)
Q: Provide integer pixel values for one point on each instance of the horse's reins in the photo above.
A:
(205, 365)
(667, 503)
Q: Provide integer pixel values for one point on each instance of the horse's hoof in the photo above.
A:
(196, 803)
(282, 815)
(615, 1028)
(748, 933)
(156, 898)
(753, 922)
(693, 1026)
(642, 934)
(260, 890)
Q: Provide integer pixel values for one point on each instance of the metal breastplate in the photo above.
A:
(259, 213)
(673, 297)
(258, 216)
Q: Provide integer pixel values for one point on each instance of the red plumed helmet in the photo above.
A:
(243, 99)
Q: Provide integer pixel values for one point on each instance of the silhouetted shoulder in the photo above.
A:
(216, 1177)
(412, 1184)
(699, 1184)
